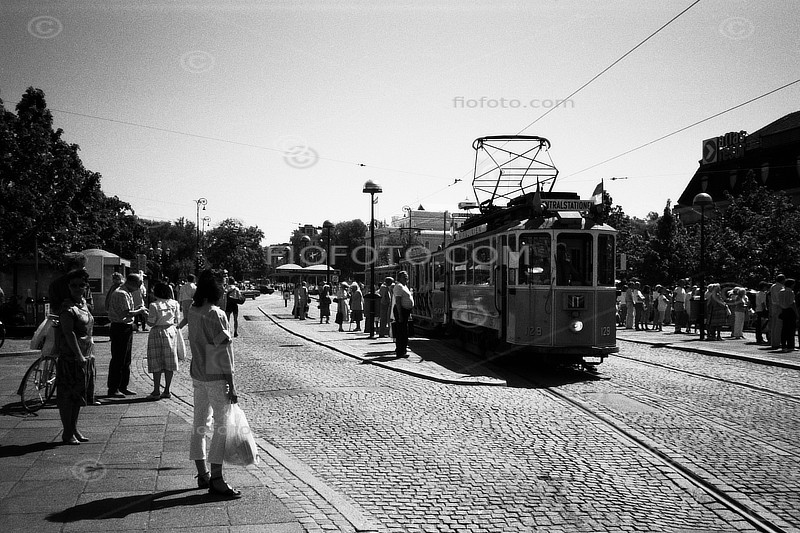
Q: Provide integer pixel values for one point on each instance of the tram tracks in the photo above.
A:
(755, 514)
(783, 395)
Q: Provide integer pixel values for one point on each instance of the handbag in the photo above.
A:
(240, 445)
(181, 345)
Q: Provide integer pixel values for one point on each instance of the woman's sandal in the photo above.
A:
(203, 480)
(228, 491)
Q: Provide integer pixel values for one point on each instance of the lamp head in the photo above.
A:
(703, 200)
(370, 187)
(327, 224)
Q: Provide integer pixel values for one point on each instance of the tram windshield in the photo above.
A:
(574, 259)
(605, 260)
(534, 259)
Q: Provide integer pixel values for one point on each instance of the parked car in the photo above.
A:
(251, 293)
(266, 289)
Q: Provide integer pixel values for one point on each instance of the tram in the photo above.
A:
(532, 274)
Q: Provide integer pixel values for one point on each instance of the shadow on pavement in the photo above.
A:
(125, 505)
(16, 450)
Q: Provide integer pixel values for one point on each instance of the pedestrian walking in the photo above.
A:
(233, 299)
(75, 366)
(165, 345)
(211, 369)
(402, 304)
(679, 296)
(660, 304)
(286, 295)
(121, 312)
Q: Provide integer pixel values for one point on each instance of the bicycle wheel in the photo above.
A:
(39, 384)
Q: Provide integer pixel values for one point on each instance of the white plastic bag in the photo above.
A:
(44, 338)
(240, 445)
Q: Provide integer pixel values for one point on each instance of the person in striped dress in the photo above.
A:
(164, 343)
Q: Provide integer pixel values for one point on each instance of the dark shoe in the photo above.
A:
(235, 334)
(227, 492)
(80, 437)
(127, 392)
(203, 482)
(402, 355)
(115, 394)
(72, 441)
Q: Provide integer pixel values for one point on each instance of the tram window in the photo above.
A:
(605, 260)
(574, 259)
(534, 259)
(459, 265)
(438, 275)
(470, 264)
(482, 263)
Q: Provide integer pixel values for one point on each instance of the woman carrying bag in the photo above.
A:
(212, 370)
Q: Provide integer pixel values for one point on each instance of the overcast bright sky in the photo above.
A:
(278, 112)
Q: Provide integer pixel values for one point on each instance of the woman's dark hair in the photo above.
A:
(208, 289)
(75, 274)
(162, 290)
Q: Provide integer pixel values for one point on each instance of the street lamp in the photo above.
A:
(206, 222)
(199, 260)
(327, 225)
(371, 188)
(702, 200)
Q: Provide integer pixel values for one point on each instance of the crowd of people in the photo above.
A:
(391, 318)
(771, 310)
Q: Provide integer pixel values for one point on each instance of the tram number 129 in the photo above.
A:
(605, 331)
(534, 331)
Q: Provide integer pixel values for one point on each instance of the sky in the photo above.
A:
(278, 112)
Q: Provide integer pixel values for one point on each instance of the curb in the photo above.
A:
(727, 355)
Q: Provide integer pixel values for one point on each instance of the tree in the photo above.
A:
(236, 248)
(49, 203)
(350, 238)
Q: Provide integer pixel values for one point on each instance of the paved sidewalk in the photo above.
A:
(428, 358)
(133, 474)
(744, 349)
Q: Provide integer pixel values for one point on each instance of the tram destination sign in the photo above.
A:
(568, 205)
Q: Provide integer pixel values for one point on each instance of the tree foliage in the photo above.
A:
(48, 201)
(236, 248)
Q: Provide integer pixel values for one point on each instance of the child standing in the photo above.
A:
(164, 343)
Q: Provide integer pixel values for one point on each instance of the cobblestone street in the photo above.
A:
(417, 455)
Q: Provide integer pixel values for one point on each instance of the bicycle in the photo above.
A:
(38, 384)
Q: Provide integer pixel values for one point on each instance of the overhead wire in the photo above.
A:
(715, 115)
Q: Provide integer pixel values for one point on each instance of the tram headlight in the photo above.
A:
(576, 326)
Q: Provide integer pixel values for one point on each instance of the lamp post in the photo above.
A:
(371, 188)
(199, 257)
(702, 200)
(327, 225)
(206, 222)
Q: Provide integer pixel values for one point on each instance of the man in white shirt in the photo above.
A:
(403, 302)
(186, 294)
(775, 323)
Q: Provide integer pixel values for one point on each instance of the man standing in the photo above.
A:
(775, 323)
(121, 312)
(385, 291)
(403, 303)
(679, 306)
(186, 294)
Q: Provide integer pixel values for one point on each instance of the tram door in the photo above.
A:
(529, 309)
